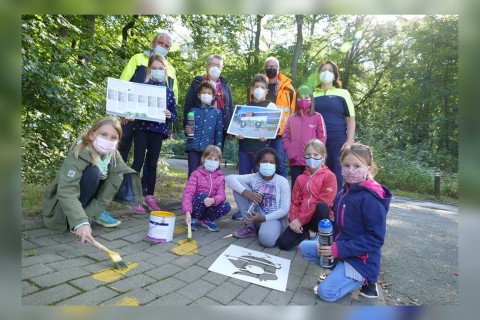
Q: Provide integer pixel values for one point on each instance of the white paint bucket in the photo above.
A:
(161, 226)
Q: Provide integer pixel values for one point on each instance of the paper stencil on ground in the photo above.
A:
(253, 266)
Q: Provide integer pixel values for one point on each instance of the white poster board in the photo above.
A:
(138, 100)
(255, 122)
(253, 266)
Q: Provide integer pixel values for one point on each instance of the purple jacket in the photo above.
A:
(359, 226)
(201, 180)
(299, 130)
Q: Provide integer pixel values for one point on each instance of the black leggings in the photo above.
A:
(290, 239)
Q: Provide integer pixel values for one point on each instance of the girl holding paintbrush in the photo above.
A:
(88, 180)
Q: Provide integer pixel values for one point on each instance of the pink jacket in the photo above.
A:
(310, 189)
(299, 130)
(201, 180)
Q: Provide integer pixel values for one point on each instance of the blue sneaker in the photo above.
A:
(237, 216)
(210, 225)
(107, 221)
(193, 225)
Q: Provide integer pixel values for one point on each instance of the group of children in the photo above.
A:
(286, 215)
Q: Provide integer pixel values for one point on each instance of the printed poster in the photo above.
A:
(138, 100)
(255, 122)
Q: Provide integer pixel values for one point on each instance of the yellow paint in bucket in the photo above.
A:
(186, 248)
(161, 226)
(110, 275)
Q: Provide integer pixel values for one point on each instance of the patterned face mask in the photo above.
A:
(353, 175)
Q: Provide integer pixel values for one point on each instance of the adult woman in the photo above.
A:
(270, 217)
(336, 106)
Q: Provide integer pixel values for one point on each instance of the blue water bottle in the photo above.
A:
(325, 238)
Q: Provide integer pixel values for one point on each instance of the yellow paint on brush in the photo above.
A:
(185, 248)
(128, 301)
(109, 275)
(178, 230)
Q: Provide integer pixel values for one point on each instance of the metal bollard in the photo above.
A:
(437, 183)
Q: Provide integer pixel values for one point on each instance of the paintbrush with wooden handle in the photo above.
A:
(114, 256)
(189, 232)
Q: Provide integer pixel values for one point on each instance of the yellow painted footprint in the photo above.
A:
(109, 275)
(128, 301)
(185, 247)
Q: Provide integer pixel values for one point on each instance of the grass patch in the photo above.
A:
(170, 185)
(421, 196)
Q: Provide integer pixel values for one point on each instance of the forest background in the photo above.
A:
(402, 72)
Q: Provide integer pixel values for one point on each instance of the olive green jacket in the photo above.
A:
(60, 202)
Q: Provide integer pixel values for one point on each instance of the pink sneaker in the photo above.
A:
(138, 209)
(151, 203)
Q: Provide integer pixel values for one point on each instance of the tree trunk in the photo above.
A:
(90, 35)
(125, 30)
(312, 25)
(257, 38)
(298, 46)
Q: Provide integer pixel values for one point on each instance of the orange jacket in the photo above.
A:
(286, 97)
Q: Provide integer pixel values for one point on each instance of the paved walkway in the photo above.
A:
(57, 270)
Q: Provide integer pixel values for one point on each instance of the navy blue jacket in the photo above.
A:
(360, 215)
(192, 100)
(208, 129)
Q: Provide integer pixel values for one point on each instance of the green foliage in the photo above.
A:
(402, 76)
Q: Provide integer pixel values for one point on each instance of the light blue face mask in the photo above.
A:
(160, 50)
(211, 165)
(313, 163)
(158, 75)
(267, 169)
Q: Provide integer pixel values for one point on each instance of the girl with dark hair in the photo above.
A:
(267, 189)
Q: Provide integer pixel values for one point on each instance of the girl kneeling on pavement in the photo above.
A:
(203, 199)
(312, 197)
(360, 212)
(88, 180)
(270, 217)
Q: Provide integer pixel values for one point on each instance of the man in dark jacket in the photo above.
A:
(223, 94)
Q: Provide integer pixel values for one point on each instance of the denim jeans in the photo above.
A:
(276, 144)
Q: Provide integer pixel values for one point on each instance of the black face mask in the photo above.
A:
(271, 72)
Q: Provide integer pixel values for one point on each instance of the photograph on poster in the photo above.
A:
(255, 122)
(138, 100)
(253, 266)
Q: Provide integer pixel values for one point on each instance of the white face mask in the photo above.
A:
(267, 169)
(214, 72)
(313, 163)
(326, 76)
(206, 98)
(158, 75)
(103, 146)
(259, 93)
(160, 50)
(211, 165)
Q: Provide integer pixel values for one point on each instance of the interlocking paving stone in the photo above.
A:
(40, 232)
(91, 298)
(142, 296)
(70, 263)
(28, 288)
(303, 297)
(204, 301)
(136, 257)
(187, 260)
(166, 286)
(131, 283)
(215, 278)
(196, 289)
(162, 259)
(49, 296)
(55, 248)
(41, 259)
(58, 277)
(294, 281)
(136, 237)
(253, 295)
(278, 298)
(164, 271)
(225, 293)
(173, 299)
(35, 271)
(27, 245)
(113, 235)
(161, 248)
(191, 274)
(87, 283)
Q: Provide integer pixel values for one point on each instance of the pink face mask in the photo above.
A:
(304, 103)
(103, 146)
(353, 175)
